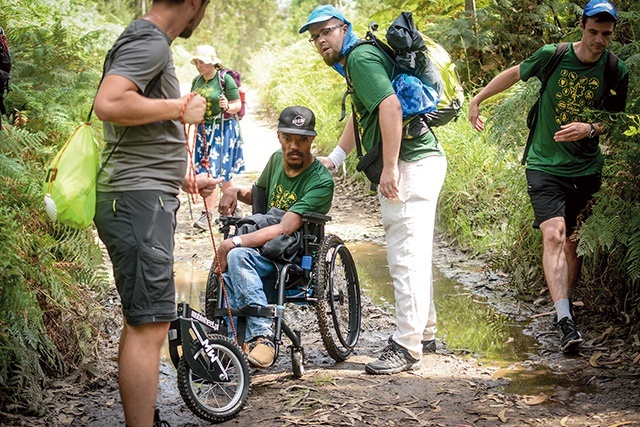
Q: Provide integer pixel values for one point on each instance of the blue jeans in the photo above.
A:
(249, 278)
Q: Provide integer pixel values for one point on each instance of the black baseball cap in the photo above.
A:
(297, 120)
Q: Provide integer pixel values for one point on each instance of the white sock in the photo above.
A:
(563, 309)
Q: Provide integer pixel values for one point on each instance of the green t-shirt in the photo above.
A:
(211, 90)
(310, 191)
(573, 88)
(371, 72)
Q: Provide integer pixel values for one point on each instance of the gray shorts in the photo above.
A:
(138, 227)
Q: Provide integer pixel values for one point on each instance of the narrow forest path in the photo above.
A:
(597, 388)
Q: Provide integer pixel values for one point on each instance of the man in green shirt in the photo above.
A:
(294, 181)
(564, 162)
(414, 169)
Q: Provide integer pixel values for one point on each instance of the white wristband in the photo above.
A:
(337, 156)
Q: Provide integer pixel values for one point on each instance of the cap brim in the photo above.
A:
(296, 131)
(316, 20)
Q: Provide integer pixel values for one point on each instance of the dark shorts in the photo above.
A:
(137, 227)
(556, 196)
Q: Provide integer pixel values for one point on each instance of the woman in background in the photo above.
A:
(218, 146)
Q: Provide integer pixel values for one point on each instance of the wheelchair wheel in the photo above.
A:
(297, 363)
(211, 292)
(338, 292)
(216, 401)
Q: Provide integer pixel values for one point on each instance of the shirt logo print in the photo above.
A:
(576, 93)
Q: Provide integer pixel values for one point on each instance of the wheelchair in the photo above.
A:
(213, 372)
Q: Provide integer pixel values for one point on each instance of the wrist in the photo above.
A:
(337, 156)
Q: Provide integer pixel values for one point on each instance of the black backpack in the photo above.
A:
(5, 68)
(415, 54)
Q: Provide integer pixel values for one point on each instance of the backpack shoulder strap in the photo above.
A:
(548, 70)
(553, 63)
(610, 74)
(221, 75)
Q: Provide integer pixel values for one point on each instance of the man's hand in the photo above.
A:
(205, 185)
(194, 109)
(222, 252)
(572, 132)
(228, 201)
(474, 116)
(389, 182)
(326, 161)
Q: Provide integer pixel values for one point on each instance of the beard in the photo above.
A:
(298, 165)
(333, 59)
(186, 33)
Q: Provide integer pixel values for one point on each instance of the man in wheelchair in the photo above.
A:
(295, 182)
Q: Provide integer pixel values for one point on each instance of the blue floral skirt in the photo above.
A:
(225, 154)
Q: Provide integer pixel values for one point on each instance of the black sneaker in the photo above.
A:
(157, 422)
(428, 346)
(554, 322)
(571, 338)
(394, 359)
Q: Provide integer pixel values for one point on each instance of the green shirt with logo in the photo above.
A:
(572, 89)
(310, 191)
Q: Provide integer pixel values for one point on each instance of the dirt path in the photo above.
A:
(449, 389)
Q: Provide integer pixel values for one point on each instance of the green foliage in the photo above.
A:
(47, 271)
(297, 76)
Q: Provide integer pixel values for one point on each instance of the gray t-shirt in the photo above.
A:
(151, 156)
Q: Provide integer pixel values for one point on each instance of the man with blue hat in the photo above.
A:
(408, 162)
(564, 161)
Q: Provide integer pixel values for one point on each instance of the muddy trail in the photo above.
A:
(530, 384)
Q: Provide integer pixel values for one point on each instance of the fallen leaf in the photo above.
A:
(593, 360)
(502, 415)
(536, 400)
(563, 422)
(637, 359)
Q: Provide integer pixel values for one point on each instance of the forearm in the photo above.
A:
(234, 106)
(133, 109)
(499, 83)
(391, 130)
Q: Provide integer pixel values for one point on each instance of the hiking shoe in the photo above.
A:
(157, 422)
(203, 223)
(263, 353)
(554, 322)
(428, 346)
(571, 338)
(394, 359)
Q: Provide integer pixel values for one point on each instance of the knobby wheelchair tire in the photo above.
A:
(216, 401)
(337, 290)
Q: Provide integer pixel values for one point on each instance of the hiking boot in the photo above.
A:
(428, 346)
(571, 338)
(394, 359)
(157, 422)
(203, 223)
(263, 353)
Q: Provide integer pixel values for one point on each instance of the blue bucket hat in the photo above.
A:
(598, 6)
(321, 14)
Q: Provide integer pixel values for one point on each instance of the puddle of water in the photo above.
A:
(469, 326)
(466, 322)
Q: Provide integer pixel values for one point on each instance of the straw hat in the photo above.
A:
(206, 54)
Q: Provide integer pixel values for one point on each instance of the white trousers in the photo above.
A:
(408, 224)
